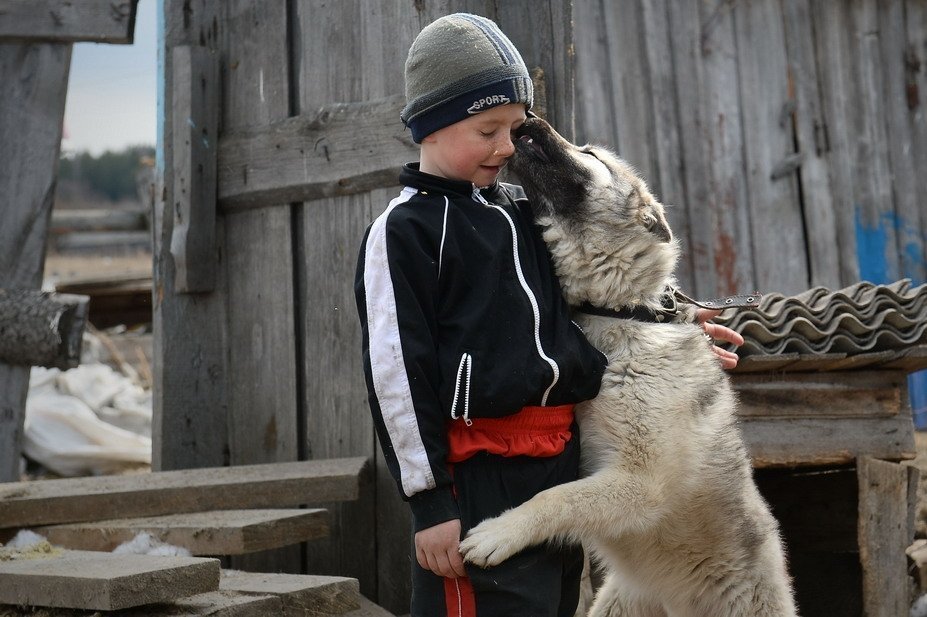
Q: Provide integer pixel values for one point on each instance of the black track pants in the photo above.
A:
(541, 581)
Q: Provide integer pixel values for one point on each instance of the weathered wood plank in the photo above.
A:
(195, 104)
(190, 350)
(669, 181)
(720, 226)
(797, 442)
(341, 149)
(630, 84)
(856, 394)
(332, 70)
(172, 492)
(773, 202)
(909, 205)
(876, 235)
(595, 122)
(300, 595)
(832, 46)
(219, 532)
(916, 99)
(103, 581)
(39, 328)
(810, 135)
(35, 79)
(883, 536)
(695, 175)
(98, 21)
(263, 406)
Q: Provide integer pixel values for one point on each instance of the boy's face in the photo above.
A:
(474, 149)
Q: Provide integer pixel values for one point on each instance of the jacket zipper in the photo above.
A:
(530, 294)
(465, 366)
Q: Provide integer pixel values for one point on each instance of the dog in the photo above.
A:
(667, 501)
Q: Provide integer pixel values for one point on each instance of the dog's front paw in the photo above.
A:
(492, 542)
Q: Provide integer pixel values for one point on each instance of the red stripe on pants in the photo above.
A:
(459, 598)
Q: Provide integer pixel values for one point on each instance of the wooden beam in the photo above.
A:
(842, 394)
(218, 532)
(196, 112)
(169, 492)
(39, 328)
(61, 21)
(342, 149)
(884, 533)
(798, 442)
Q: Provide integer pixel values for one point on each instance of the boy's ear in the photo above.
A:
(428, 139)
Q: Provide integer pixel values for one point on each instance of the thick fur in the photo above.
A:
(667, 501)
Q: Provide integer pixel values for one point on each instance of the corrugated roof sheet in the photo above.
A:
(860, 325)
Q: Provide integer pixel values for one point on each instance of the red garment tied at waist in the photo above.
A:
(532, 431)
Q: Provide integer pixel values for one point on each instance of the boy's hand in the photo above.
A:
(717, 332)
(437, 549)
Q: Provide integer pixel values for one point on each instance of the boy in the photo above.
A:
(471, 360)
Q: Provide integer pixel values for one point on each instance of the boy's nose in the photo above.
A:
(506, 148)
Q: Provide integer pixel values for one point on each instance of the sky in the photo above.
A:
(112, 91)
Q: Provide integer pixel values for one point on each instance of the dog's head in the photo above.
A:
(607, 234)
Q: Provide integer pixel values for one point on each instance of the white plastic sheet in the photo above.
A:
(77, 421)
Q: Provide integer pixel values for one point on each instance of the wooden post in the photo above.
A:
(884, 533)
(190, 350)
(35, 81)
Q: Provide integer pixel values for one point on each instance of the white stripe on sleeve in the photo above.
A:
(390, 381)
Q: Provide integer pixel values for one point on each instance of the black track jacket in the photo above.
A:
(462, 317)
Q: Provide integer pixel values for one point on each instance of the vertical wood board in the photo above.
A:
(35, 82)
(189, 423)
(810, 131)
(875, 218)
(195, 103)
(776, 228)
(883, 536)
(667, 153)
(830, 23)
(330, 68)
(263, 394)
(721, 240)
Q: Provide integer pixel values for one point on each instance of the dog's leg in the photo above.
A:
(613, 600)
(605, 504)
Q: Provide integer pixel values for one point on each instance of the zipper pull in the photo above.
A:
(479, 197)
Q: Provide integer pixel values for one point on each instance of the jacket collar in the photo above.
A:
(413, 177)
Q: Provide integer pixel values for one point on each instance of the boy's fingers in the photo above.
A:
(456, 562)
(702, 315)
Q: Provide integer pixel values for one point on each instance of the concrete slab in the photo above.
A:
(271, 485)
(103, 581)
(301, 594)
(220, 532)
(212, 604)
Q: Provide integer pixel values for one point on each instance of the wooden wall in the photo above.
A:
(789, 136)
(267, 366)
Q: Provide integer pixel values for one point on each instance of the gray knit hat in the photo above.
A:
(460, 65)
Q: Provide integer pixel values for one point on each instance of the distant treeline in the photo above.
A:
(111, 175)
